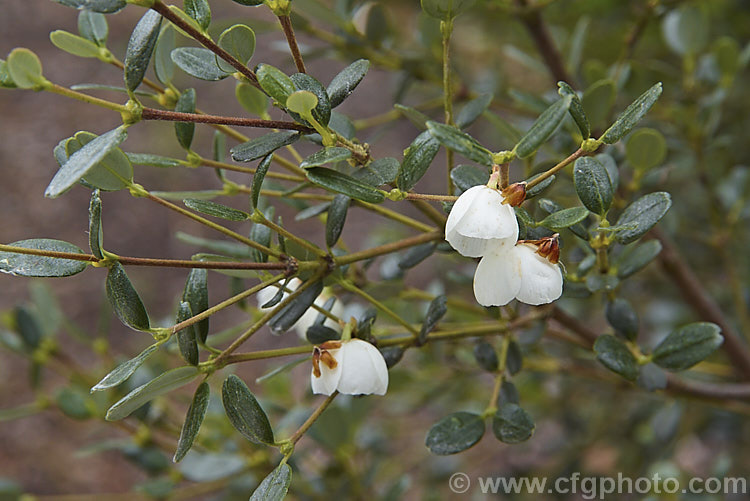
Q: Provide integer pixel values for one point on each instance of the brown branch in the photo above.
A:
(537, 28)
(694, 293)
(286, 25)
(176, 116)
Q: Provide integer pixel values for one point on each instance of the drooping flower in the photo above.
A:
(353, 367)
(309, 317)
(481, 220)
(528, 271)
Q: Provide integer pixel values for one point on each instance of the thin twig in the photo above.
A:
(175, 116)
(286, 25)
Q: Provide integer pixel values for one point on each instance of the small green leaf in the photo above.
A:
(101, 6)
(632, 115)
(251, 98)
(217, 210)
(200, 11)
(346, 185)
(24, 68)
(305, 83)
(301, 102)
(193, 420)
(96, 235)
(275, 486)
(140, 48)
(473, 110)
(416, 117)
(486, 356)
(468, 176)
(686, 29)
(687, 346)
(198, 62)
(564, 218)
(185, 130)
(275, 83)
(6, 81)
(125, 300)
(263, 145)
(445, 10)
(417, 159)
(644, 213)
(437, 310)
(325, 156)
(244, 412)
(73, 403)
(126, 369)
(164, 383)
(539, 188)
(186, 340)
(261, 234)
(346, 81)
(598, 101)
(152, 160)
(73, 44)
(93, 26)
(293, 311)
(543, 128)
(378, 172)
(260, 175)
(623, 318)
(114, 172)
(512, 425)
(455, 433)
(615, 356)
(460, 142)
(239, 41)
(593, 185)
(27, 265)
(251, 3)
(576, 109)
(646, 148)
(163, 64)
(336, 218)
(416, 255)
(635, 258)
(196, 295)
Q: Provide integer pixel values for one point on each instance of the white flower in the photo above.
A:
(309, 317)
(480, 222)
(527, 271)
(353, 367)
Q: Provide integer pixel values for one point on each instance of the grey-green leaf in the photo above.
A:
(275, 486)
(455, 433)
(564, 218)
(113, 172)
(198, 62)
(623, 318)
(644, 213)
(196, 294)
(96, 234)
(321, 112)
(200, 11)
(239, 41)
(576, 109)
(193, 420)
(126, 369)
(632, 115)
(275, 82)
(152, 160)
(512, 425)
(140, 47)
(164, 383)
(102, 6)
(27, 265)
(460, 142)
(346, 185)
(346, 81)
(336, 218)
(244, 412)
(543, 127)
(687, 346)
(217, 210)
(325, 156)
(636, 258)
(486, 356)
(84, 160)
(615, 356)
(416, 255)
(73, 44)
(593, 185)
(293, 311)
(467, 176)
(263, 145)
(417, 159)
(437, 310)
(125, 300)
(185, 130)
(258, 177)
(473, 110)
(163, 64)
(186, 339)
(93, 26)
(379, 172)
(416, 117)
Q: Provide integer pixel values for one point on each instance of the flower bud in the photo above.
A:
(515, 194)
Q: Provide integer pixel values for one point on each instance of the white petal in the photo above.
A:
(461, 206)
(265, 295)
(488, 217)
(468, 246)
(311, 315)
(329, 378)
(363, 371)
(498, 277)
(541, 281)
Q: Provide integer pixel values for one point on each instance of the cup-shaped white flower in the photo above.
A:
(309, 317)
(480, 221)
(353, 367)
(527, 271)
